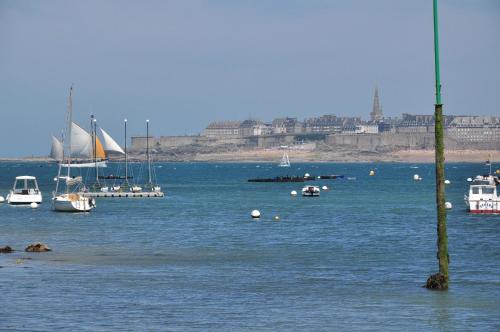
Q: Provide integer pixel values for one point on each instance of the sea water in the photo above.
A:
(354, 258)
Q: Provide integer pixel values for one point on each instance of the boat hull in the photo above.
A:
(310, 194)
(310, 191)
(483, 207)
(484, 211)
(17, 199)
(73, 203)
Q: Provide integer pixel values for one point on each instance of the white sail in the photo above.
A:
(57, 149)
(81, 142)
(110, 144)
(285, 162)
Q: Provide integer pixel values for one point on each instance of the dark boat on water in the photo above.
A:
(280, 179)
(331, 177)
(306, 177)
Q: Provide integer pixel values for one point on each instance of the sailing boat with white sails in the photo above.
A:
(285, 162)
(77, 144)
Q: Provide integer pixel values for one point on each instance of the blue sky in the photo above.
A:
(182, 64)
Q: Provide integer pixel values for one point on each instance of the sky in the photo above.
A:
(183, 64)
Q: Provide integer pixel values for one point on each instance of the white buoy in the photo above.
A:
(255, 214)
(2, 199)
(324, 188)
(372, 172)
(293, 193)
(416, 177)
(447, 181)
(448, 205)
(469, 179)
(34, 205)
(307, 175)
(276, 218)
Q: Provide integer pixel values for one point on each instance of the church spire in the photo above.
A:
(376, 114)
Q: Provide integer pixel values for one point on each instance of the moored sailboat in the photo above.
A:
(125, 189)
(150, 186)
(70, 200)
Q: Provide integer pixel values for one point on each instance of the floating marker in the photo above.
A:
(34, 205)
(447, 181)
(307, 175)
(324, 188)
(293, 193)
(255, 214)
(416, 177)
(469, 179)
(276, 218)
(372, 172)
(448, 205)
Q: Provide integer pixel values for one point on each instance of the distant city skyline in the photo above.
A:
(185, 64)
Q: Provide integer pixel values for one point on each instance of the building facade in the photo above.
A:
(223, 129)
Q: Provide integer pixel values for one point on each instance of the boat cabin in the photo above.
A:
(483, 191)
(25, 185)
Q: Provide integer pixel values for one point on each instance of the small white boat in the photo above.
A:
(25, 191)
(310, 191)
(483, 195)
(285, 161)
(136, 189)
(73, 203)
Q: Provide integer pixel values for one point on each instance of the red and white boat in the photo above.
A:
(483, 195)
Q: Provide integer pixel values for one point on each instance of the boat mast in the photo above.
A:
(93, 126)
(147, 153)
(489, 161)
(126, 158)
(70, 121)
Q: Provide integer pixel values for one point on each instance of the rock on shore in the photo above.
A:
(6, 250)
(37, 247)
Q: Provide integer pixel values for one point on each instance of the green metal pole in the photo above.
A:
(436, 54)
(439, 280)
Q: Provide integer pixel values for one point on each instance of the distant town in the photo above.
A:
(378, 134)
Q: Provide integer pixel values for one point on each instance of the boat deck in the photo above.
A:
(116, 194)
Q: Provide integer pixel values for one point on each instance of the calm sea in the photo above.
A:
(353, 259)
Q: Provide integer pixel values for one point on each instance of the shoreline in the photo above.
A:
(302, 156)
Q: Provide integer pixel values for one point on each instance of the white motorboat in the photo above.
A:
(78, 142)
(310, 191)
(483, 195)
(25, 191)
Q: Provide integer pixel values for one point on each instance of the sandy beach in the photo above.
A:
(405, 156)
(274, 155)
